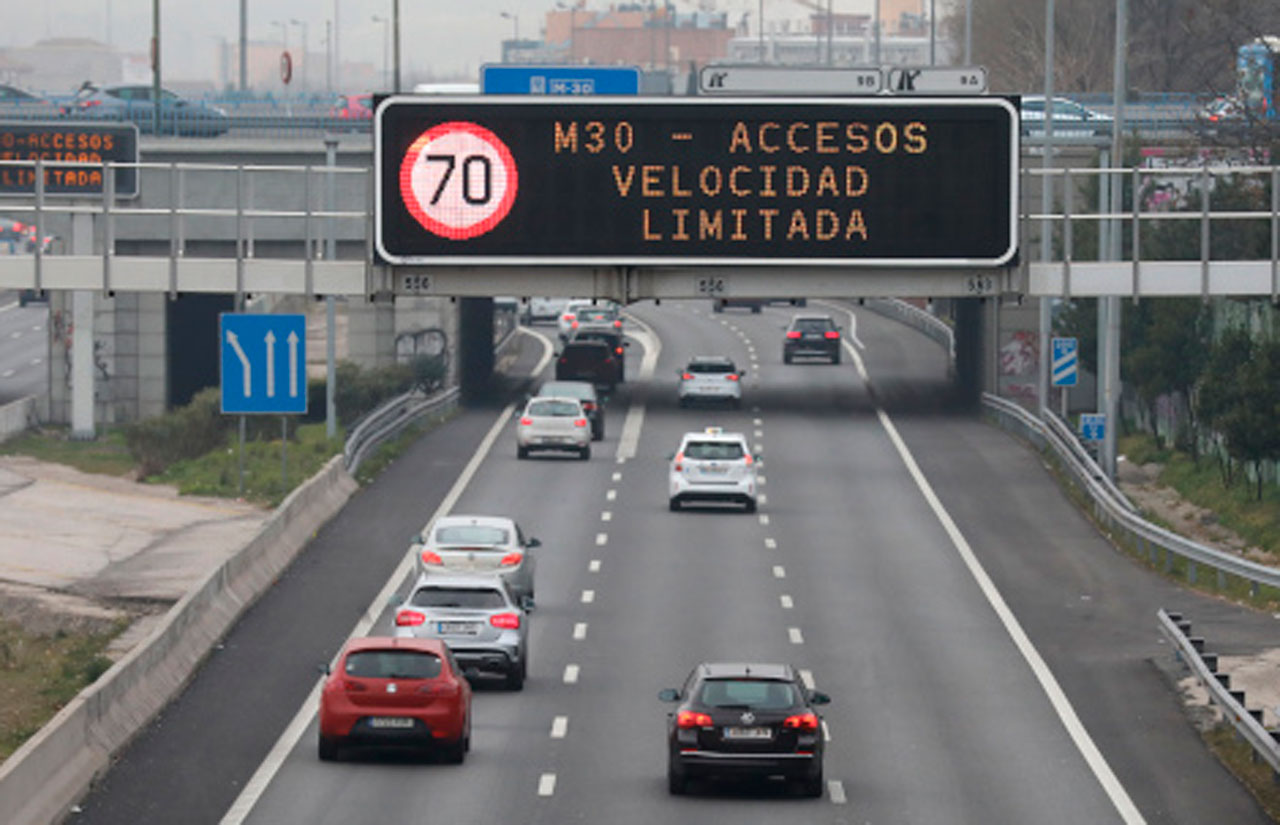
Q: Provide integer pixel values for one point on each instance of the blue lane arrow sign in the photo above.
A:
(252, 363)
(1066, 362)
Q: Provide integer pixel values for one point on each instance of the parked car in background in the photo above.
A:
(1223, 116)
(136, 104)
(23, 105)
(585, 392)
(389, 692)
(353, 108)
(1070, 119)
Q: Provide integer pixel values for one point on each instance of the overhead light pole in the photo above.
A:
(244, 45)
(155, 64)
(303, 25)
(386, 49)
(395, 39)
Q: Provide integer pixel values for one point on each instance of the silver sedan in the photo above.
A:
(488, 545)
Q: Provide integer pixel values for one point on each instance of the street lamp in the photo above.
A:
(284, 34)
(386, 49)
(303, 25)
(515, 20)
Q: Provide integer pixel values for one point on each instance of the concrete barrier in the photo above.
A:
(17, 417)
(42, 780)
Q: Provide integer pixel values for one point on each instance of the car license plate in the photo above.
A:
(747, 733)
(715, 470)
(457, 628)
(390, 722)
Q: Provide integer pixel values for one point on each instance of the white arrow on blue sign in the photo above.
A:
(264, 363)
(1066, 362)
(1093, 426)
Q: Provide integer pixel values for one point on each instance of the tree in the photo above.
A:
(1220, 391)
(1250, 426)
(1167, 354)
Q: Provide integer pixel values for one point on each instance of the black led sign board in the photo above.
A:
(606, 181)
(72, 155)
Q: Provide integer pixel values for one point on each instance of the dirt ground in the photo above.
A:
(1258, 676)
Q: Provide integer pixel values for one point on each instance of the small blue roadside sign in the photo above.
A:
(511, 79)
(264, 363)
(1093, 426)
(1066, 362)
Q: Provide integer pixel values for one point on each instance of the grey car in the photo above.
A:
(488, 545)
(485, 626)
(585, 392)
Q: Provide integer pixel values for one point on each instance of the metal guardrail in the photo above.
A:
(389, 419)
(1248, 724)
(915, 317)
(1114, 512)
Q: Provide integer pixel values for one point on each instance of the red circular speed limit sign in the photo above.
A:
(286, 67)
(458, 180)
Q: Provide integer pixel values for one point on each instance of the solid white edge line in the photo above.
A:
(629, 441)
(546, 784)
(9, 306)
(271, 764)
(559, 727)
(1093, 757)
(853, 324)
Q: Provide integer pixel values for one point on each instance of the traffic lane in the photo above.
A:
(1091, 612)
(508, 726)
(190, 763)
(24, 346)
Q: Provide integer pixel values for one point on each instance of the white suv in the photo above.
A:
(713, 465)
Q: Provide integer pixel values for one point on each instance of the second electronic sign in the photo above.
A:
(920, 182)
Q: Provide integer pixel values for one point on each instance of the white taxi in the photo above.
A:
(713, 465)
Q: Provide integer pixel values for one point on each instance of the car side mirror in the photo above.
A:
(669, 695)
(817, 697)
(671, 456)
(526, 604)
(395, 600)
(323, 668)
(533, 542)
(742, 373)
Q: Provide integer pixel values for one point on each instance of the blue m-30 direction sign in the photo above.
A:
(264, 363)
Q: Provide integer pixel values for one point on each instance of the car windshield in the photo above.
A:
(713, 450)
(555, 409)
(472, 597)
(753, 694)
(470, 534)
(711, 366)
(813, 325)
(392, 664)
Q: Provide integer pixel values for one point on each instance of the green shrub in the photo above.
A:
(186, 432)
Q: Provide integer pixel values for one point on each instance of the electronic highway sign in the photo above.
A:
(73, 154)
(760, 181)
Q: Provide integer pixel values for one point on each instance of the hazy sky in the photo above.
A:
(449, 37)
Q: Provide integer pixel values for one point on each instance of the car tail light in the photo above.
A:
(574, 325)
(731, 377)
(526, 421)
(692, 719)
(579, 422)
(831, 333)
(18, 226)
(802, 721)
(511, 559)
(795, 333)
(685, 376)
(747, 459)
(617, 324)
(352, 686)
(618, 350)
(568, 316)
(431, 557)
(506, 621)
(409, 618)
(588, 406)
(679, 462)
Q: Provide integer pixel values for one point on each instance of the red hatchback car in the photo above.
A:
(399, 693)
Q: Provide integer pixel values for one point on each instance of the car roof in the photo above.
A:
(488, 521)
(713, 434)
(746, 670)
(471, 581)
(425, 645)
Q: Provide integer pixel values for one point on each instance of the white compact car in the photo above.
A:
(473, 545)
(713, 465)
(553, 423)
(710, 378)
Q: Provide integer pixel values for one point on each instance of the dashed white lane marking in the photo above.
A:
(35, 361)
(547, 784)
(759, 434)
(594, 565)
(1097, 763)
(611, 495)
(7, 374)
(588, 596)
(772, 544)
(580, 631)
(794, 634)
(559, 727)
(9, 306)
(786, 601)
(759, 447)
(761, 498)
(759, 422)
(571, 674)
(602, 539)
(17, 334)
(836, 789)
(826, 731)
(760, 480)
(617, 476)
(779, 572)
(622, 459)
(764, 518)
(806, 676)
(606, 516)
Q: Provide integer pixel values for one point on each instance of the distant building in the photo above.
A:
(59, 65)
(636, 34)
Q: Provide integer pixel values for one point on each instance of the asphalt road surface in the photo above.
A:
(23, 348)
(988, 654)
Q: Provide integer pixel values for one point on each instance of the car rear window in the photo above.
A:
(472, 597)
(721, 450)
(471, 534)
(710, 366)
(752, 693)
(555, 409)
(573, 389)
(813, 325)
(392, 664)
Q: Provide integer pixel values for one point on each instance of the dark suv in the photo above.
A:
(588, 360)
(811, 335)
(744, 719)
(614, 338)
